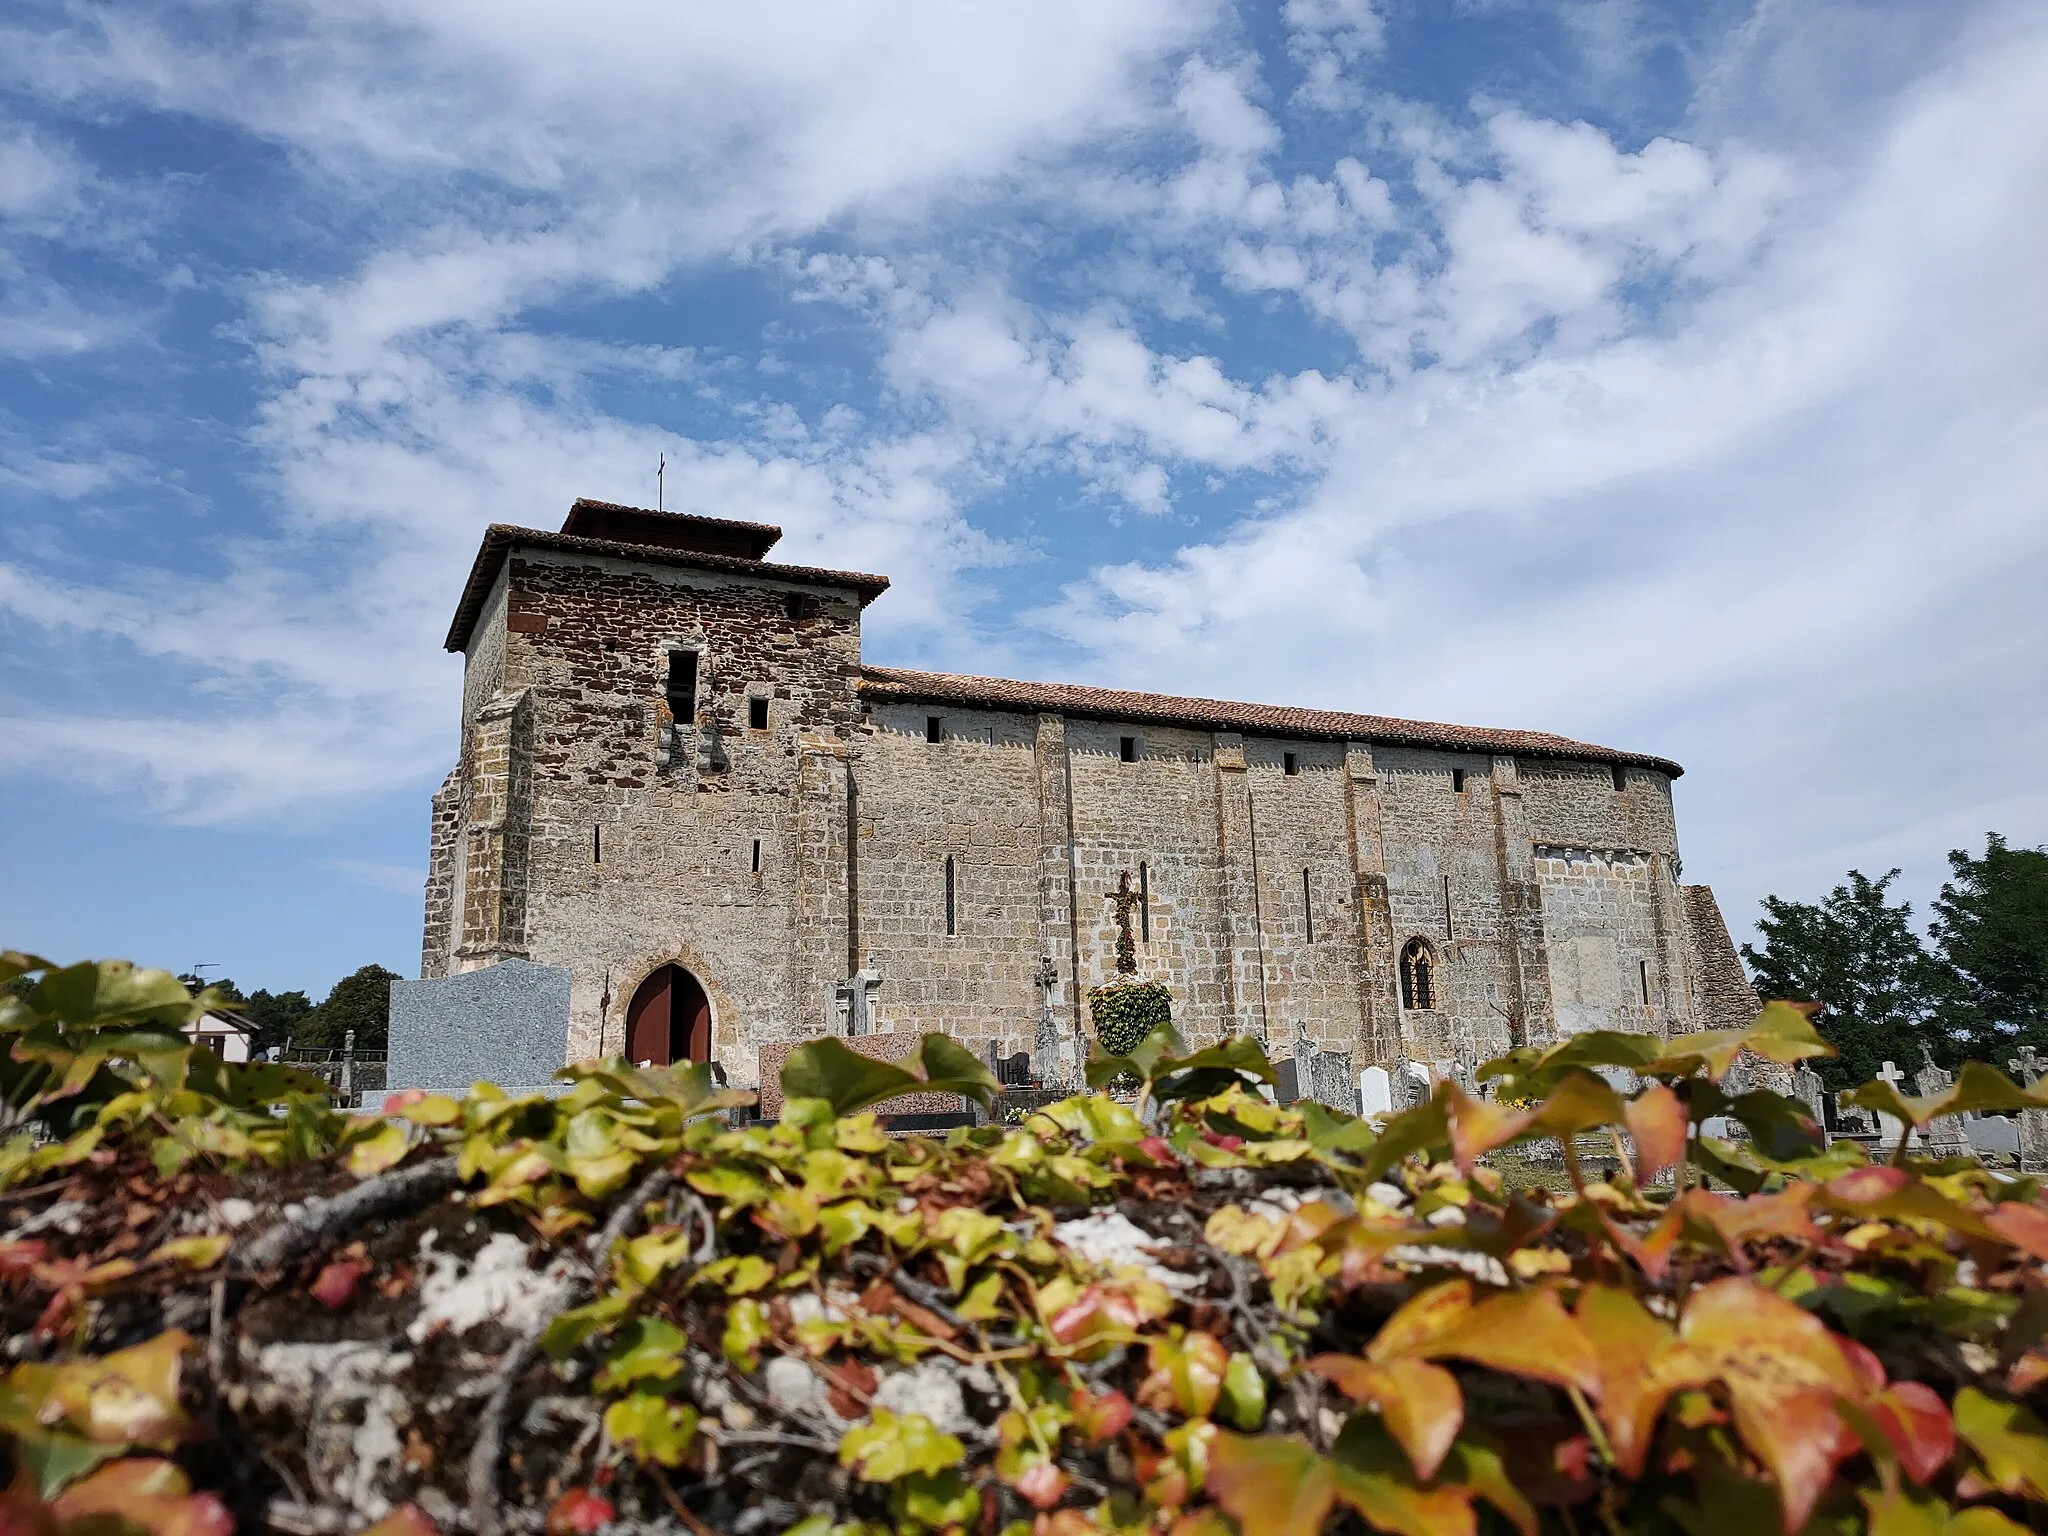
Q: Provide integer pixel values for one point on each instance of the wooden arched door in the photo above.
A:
(669, 1019)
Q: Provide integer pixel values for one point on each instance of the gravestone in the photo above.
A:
(1944, 1133)
(1853, 1120)
(1888, 1127)
(1286, 1081)
(2028, 1068)
(506, 1023)
(1047, 1051)
(1808, 1089)
(1375, 1091)
(1411, 1084)
(1992, 1133)
(1330, 1081)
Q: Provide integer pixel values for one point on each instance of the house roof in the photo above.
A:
(897, 684)
(670, 530)
(500, 539)
(240, 1023)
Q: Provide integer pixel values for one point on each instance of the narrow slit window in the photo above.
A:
(1127, 748)
(682, 687)
(757, 855)
(1144, 902)
(1620, 776)
(1308, 907)
(1457, 781)
(1290, 764)
(800, 607)
(952, 920)
(1448, 933)
(597, 845)
(1643, 975)
(757, 714)
(934, 727)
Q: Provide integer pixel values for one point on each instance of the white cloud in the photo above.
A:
(399, 879)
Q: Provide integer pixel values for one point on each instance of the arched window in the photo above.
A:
(1418, 976)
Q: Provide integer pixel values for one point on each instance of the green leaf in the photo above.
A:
(2008, 1439)
(656, 1429)
(647, 1348)
(850, 1082)
(102, 992)
(888, 1447)
(1244, 1393)
(1374, 1478)
(746, 1330)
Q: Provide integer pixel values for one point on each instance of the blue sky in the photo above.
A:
(1674, 377)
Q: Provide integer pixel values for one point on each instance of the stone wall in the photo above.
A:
(1722, 995)
(583, 827)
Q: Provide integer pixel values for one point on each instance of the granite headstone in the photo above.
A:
(506, 1024)
(1375, 1091)
(2028, 1068)
(1330, 1081)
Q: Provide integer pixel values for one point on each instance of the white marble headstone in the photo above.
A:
(1375, 1091)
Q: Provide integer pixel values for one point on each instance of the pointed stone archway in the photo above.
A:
(669, 1019)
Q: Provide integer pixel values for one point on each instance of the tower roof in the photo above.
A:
(648, 538)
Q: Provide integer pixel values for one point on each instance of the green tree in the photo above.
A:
(1991, 932)
(1855, 954)
(360, 1001)
(276, 1015)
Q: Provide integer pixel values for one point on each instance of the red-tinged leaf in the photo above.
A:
(1867, 1186)
(1916, 1422)
(1095, 1310)
(1421, 1318)
(1480, 1125)
(406, 1520)
(579, 1512)
(1641, 1364)
(1782, 1369)
(1657, 1123)
(1419, 1403)
(1523, 1333)
(1783, 1214)
(1100, 1417)
(1160, 1151)
(335, 1286)
(1185, 1373)
(20, 1255)
(1650, 1250)
(1275, 1485)
(145, 1492)
(1041, 1484)
(2024, 1226)
(2028, 1372)
(1864, 1362)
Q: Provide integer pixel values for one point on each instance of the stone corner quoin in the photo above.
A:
(679, 782)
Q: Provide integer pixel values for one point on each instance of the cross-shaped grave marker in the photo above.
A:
(1126, 901)
(1888, 1126)
(2033, 1122)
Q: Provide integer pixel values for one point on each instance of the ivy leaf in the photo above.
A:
(2008, 1439)
(145, 1492)
(1782, 1369)
(1186, 1373)
(889, 1447)
(1420, 1403)
(1917, 1423)
(1639, 1370)
(849, 1082)
(200, 1252)
(383, 1148)
(647, 1348)
(654, 1428)
(1478, 1464)
(746, 1330)
(1373, 1477)
(1244, 1392)
(1521, 1333)
(1657, 1123)
(1275, 1485)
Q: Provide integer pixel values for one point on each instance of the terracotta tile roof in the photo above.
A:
(890, 684)
(500, 539)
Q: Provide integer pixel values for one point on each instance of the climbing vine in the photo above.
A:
(1126, 1011)
(1198, 1314)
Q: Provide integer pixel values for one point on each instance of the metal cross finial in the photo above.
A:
(1126, 901)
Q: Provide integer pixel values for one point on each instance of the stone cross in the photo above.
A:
(1888, 1127)
(1944, 1134)
(1126, 901)
(1045, 1045)
(2029, 1067)
(850, 999)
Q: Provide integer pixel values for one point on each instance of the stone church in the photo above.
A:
(680, 781)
